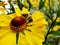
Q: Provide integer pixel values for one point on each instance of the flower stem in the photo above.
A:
(17, 37)
(52, 25)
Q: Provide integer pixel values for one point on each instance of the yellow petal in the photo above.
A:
(4, 30)
(22, 40)
(25, 11)
(8, 39)
(32, 38)
(40, 30)
(18, 11)
(36, 40)
(40, 22)
(29, 39)
(37, 15)
(12, 15)
(4, 20)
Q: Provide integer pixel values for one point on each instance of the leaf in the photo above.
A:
(30, 5)
(57, 23)
(58, 12)
(20, 5)
(47, 14)
(55, 32)
(41, 4)
(12, 8)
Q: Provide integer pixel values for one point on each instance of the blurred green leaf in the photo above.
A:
(20, 5)
(48, 15)
(41, 4)
(57, 23)
(55, 32)
(58, 11)
(12, 8)
(29, 4)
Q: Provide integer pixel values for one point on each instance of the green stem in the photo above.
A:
(52, 25)
(49, 7)
(17, 37)
(30, 5)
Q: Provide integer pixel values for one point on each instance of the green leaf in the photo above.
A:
(55, 32)
(41, 4)
(47, 14)
(20, 5)
(30, 5)
(58, 12)
(12, 8)
(57, 23)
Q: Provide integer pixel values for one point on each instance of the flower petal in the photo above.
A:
(18, 11)
(37, 15)
(4, 20)
(8, 39)
(12, 15)
(4, 30)
(29, 39)
(22, 40)
(25, 11)
(32, 38)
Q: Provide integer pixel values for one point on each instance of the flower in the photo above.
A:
(34, 3)
(59, 1)
(47, 3)
(31, 28)
(26, 4)
(56, 27)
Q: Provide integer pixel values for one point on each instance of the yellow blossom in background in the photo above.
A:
(50, 35)
(34, 3)
(47, 3)
(58, 19)
(59, 1)
(25, 3)
(33, 37)
(55, 28)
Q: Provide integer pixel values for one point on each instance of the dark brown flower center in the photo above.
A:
(18, 23)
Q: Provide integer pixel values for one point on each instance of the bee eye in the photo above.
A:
(25, 15)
